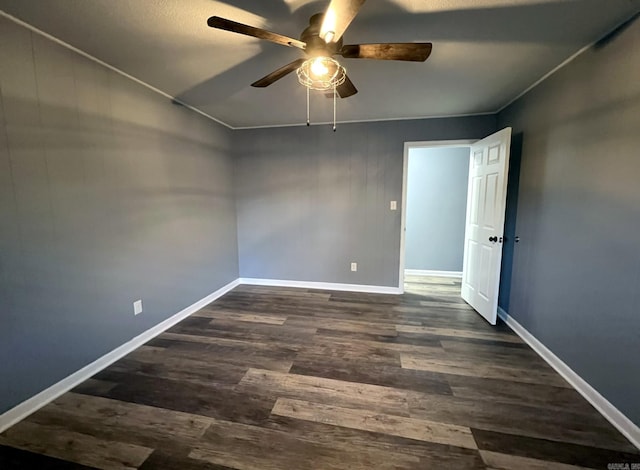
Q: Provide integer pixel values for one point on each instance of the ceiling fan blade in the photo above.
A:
(278, 74)
(338, 17)
(347, 88)
(235, 27)
(412, 51)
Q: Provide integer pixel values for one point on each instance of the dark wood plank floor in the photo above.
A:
(287, 379)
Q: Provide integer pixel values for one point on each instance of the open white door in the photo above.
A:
(485, 223)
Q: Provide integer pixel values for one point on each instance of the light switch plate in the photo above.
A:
(393, 205)
(137, 307)
(354, 266)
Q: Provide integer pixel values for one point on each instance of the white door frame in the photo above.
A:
(405, 169)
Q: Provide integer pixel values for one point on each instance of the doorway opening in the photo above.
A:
(484, 238)
(434, 205)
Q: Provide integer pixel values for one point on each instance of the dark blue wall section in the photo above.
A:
(576, 270)
(108, 194)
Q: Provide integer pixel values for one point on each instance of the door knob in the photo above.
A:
(493, 239)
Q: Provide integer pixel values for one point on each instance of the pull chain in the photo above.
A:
(334, 107)
(308, 122)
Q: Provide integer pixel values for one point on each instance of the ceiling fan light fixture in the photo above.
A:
(318, 68)
(321, 73)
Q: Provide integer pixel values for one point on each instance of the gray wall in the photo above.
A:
(309, 201)
(108, 193)
(437, 180)
(576, 271)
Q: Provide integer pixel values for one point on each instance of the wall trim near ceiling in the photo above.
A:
(429, 272)
(110, 67)
(561, 65)
(330, 123)
(33, 404)
(322, 285)
(623, 424)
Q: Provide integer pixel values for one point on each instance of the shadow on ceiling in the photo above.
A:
(541, 23)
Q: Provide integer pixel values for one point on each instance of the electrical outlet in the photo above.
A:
(354, 266)
(393, 205)
(137, 307)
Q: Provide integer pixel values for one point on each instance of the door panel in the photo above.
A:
(485, 265)
(475, 209)
(485, 223)
(490, 201)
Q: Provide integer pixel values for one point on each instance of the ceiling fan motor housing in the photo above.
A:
(316, 46)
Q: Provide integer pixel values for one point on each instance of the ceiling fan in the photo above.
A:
(321, 40)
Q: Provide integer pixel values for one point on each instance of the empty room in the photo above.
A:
(320, 234)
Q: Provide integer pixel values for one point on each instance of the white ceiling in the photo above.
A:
(485, 52)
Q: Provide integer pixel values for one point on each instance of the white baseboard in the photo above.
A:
(423, 272)
(623, 424)
(31, 405)
(321, 285)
